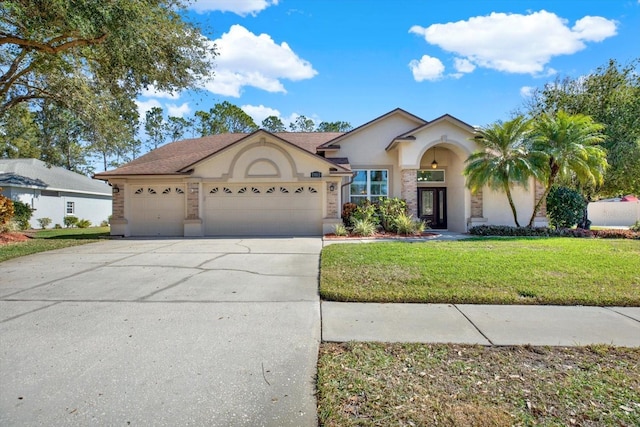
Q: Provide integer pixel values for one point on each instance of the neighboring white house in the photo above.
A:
(294, 183)
(54, 192)
(616, 212)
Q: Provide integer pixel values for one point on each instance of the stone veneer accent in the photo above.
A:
(542, 212)
(409, 189)
(332, 200)
(476, 204)
(117, 205)
(193, 200)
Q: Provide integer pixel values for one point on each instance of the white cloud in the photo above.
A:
(526, 91)
(239, 7)
(246, 59)
(463, 65)
(178, 110)
(515, 43)
(427, 68)
(144, 106)
(259, 112)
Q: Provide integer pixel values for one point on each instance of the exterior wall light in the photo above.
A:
(332, 187)
(115, 190)
(434, 164)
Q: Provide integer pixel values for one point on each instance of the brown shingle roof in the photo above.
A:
(170, 159)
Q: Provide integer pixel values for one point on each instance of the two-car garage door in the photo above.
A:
(263, 210)
(229, 210)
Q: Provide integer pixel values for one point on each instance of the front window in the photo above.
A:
(71, 208)
(369, 185)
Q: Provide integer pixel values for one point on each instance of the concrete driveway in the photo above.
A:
(161, 332)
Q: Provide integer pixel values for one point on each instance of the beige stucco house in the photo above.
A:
(295, 183)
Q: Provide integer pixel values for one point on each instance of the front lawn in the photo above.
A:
(46, 240)
(363, 384)
(563, 271)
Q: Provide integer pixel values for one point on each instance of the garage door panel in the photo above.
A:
(277, 209)
(157, 210)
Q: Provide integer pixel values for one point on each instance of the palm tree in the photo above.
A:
(504, 159)
(569, 145)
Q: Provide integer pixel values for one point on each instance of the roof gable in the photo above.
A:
(410, 135)
(398, 111)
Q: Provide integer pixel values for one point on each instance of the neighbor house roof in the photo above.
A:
(34, 173)
(174, 158)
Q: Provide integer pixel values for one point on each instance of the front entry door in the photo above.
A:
(432, 206)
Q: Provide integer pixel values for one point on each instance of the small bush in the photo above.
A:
(70, 221)
(340, 230)
(389, 210)
(44, 222)
(104, 223)
(636, 226)
(617, 234)
(406, 224)
(367, 211)
(347, 211)
(565, 207)
(9, 227)
(83, 223)
(6, 209)
(363, 227)
(22, 213)
(57, 226)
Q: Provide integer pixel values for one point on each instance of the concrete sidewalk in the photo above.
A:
(481, 324)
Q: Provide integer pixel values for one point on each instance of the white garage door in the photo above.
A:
(157, 210)
(263, 210)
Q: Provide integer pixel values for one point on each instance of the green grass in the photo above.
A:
(561, 271)
(362, 384)
(46, 240)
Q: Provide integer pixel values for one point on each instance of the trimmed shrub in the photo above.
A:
(389, 211)
(340, 230)
(363, 227)
(565, 207)
(635, 227)
(6, 209)
(617, 234)
(367, 211)
(83, 223)
(57, 226)
(22, 213)
(505, 230)
(347, 211)
(70, 221)
(44, 222)
(104, 223)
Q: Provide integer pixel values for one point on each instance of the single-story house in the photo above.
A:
(54, 192)
(295, 183)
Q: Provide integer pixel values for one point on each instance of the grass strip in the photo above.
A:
(560, 271)
(47, 240)
(370, 384)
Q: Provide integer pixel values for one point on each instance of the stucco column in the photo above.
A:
(409, 189)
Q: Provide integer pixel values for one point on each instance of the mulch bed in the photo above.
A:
(12, 237)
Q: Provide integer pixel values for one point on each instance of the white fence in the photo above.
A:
(614, 214)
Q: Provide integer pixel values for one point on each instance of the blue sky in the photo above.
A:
(353, 60)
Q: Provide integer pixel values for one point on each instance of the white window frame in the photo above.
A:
(368, 195)
(71, 205)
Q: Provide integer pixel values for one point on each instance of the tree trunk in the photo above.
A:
(513, 206)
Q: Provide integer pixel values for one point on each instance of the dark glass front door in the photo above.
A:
(432, 206)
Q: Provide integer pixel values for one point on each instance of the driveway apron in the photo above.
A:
(169, 332)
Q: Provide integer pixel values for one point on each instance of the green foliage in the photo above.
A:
(363, 227)
(334, 127)
(366, 211)
(6, 209)
(302, 124)
(57, 227)
(635, 226)
(406, 224)
(22, 213)
(154, 127)
(340, 230)
(389, 210)
(347, 212)
(70, 221)
(273, 124)
(565, 207)
(611, 96)
(223, 118)
(504, 160)
(44, 222)
(83, 223)
(104, 223)
(9, 227)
